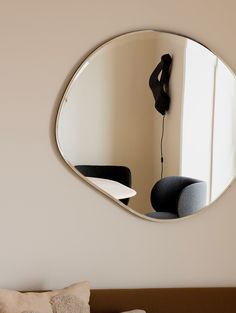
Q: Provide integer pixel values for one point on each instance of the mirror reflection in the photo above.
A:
(165, 164)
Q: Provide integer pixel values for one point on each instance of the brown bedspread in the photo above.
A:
(164, 300)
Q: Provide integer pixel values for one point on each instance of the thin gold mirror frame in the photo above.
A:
(71, 166)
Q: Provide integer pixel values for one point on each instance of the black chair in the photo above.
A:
(121, 174)
(177, 196)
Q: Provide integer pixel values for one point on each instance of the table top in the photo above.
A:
(114, 188)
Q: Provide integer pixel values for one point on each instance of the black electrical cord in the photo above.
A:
(162, 137)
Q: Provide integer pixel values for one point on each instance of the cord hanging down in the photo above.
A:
(162, 137)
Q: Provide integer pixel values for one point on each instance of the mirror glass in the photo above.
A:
(109, 131)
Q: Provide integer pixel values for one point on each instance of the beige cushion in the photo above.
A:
(29, 312)
(68, 304)
(39, 302)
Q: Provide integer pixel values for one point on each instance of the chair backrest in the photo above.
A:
(121, 174)
(179, 195)
(192, 199)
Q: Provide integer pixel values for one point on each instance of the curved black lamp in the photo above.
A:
(160, 87)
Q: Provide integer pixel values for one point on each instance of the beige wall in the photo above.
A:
(54, 229)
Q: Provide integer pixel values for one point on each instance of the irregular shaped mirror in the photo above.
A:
(109, 131)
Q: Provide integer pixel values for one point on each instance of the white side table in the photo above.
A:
(114, 188)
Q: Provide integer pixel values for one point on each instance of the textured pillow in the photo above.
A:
(68, 304)
(40, 302)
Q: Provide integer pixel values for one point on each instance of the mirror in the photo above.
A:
(109, 131)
